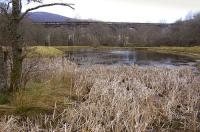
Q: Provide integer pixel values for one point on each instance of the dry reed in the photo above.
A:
(121, 98)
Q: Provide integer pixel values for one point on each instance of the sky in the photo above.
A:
(125, 10)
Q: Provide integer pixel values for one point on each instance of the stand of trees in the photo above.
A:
(181, 33)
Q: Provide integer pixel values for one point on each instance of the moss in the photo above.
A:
(44, 51)
(4, 99)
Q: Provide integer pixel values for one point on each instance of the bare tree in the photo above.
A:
(12, 9)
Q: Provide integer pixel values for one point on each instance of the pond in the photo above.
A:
(128, 57)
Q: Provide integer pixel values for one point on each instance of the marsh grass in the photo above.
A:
(108, 98)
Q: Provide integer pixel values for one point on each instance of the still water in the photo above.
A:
(129, 57)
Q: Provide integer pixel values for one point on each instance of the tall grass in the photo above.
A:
(118, 98)
(46, 81)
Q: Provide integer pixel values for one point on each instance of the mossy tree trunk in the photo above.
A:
(2, 79)
(16, 71)
(4, 69)
(16, 44)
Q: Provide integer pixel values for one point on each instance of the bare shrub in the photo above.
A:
(45, 69)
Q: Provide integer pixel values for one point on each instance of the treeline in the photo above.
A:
(181, 33)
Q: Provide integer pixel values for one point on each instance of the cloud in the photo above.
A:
(181, 4)
(126, 10)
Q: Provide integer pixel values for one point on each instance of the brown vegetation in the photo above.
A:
(116, 98)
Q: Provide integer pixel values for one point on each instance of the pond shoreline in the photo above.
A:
(186, 51)
(192, 52)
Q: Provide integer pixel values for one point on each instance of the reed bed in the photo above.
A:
(120, 99)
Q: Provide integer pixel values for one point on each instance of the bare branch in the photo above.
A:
(3, 10)
(45, 5)
(39, 1)
(8, 5)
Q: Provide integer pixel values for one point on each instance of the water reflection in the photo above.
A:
(128, 57)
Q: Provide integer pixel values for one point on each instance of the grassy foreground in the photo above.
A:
(65, 97)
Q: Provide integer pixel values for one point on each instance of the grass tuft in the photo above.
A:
(44, 51)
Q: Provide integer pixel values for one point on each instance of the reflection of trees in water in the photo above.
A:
(124, 57)
(147, 55)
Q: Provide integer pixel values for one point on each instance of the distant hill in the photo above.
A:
(48, 17)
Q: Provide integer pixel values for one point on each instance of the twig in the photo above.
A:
(45, 5)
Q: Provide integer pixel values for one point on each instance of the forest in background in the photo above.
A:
(180, 33)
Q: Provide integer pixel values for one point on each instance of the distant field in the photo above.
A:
(77, 48)
(186, 51)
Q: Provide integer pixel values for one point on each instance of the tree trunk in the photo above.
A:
(4, 69)
(2, 79)
(16, 57)
(16, 44)
(16, 69)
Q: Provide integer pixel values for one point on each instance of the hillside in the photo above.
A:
(47, 17)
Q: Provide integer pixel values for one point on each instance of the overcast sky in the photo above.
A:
(125, 10)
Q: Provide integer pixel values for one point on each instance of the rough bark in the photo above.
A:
(4, 69)
(2, 80)
(16, 44)
(16, 69)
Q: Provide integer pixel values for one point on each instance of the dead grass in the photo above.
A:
(112, 98)
(46, 81)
